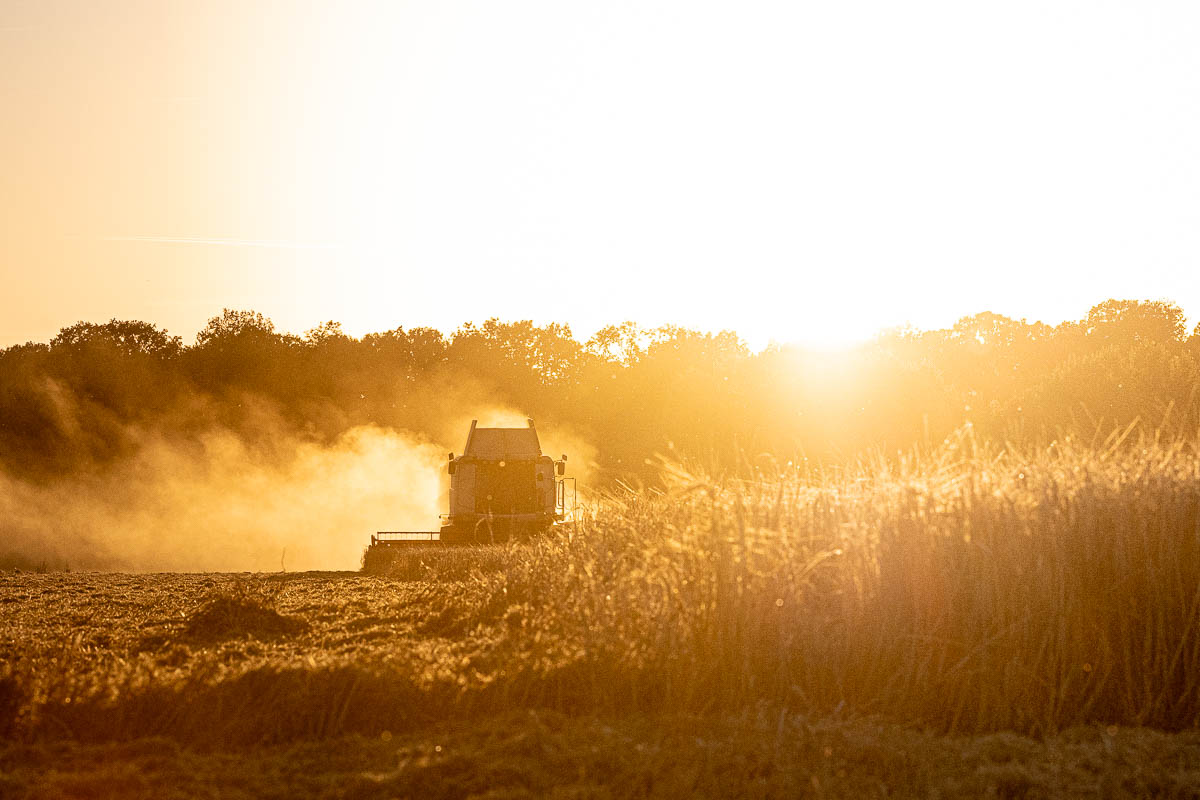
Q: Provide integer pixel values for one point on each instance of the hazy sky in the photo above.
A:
(796, 171)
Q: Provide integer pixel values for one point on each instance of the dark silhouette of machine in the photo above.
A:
(501, 489)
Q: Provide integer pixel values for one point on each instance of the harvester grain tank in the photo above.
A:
(501, 488)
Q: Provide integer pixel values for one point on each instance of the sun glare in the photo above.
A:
(549, 162)
(792, 172)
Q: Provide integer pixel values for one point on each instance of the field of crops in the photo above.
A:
(963, 622)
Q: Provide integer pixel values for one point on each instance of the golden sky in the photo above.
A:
(794, 171)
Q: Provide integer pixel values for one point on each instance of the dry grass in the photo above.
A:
(969, 589)
(545, 754)
(965, 591)
(245, 609)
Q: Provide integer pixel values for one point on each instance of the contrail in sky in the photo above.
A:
(277, 245)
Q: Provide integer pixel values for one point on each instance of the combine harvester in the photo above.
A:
(501, 489)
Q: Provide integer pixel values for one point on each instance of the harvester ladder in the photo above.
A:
(560, 501)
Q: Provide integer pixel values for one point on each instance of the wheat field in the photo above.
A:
(967, 619)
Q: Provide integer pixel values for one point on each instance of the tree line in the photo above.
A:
(94, 393)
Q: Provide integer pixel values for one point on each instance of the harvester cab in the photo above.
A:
(502, 488)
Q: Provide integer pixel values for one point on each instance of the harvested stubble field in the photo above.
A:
(963, 623)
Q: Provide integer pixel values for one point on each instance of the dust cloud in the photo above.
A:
(211, 502)
(217, 505)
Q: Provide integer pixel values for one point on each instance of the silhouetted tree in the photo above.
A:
(128, 337)
(1128, 321)
(88, 396)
